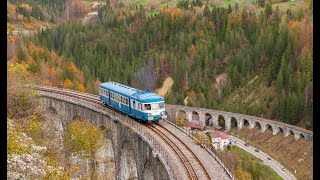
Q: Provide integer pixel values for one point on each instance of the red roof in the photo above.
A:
(224, 136)
(215, 134)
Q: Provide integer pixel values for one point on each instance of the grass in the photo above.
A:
(246, 163)
(256, 164)
(292, 154)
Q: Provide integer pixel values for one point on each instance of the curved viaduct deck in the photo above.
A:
(240, 119)
(144, 150)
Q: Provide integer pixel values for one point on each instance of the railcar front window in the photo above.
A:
(147, 107)
(155, 106)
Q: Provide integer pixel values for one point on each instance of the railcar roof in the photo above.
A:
(143, 96)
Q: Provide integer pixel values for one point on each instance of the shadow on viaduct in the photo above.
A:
(226, 120)
(132, 156)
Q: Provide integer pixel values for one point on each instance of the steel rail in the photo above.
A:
(191, 172)
(187, 148)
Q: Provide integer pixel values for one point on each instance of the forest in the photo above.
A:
(220, 58)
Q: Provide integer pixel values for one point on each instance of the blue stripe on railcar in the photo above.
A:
(105, 99)
(120, 106)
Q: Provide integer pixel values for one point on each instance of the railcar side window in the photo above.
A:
(100, 91)
(107, 93)
(139, 106)
(127, 100)
(134, 104)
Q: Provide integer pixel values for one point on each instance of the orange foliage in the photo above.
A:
(46, 82)
(231, 19)
(73, 68)
(293, 25)
(81, 88)
(53, 56)
(51, 70)
(191, 93)
(193, 49)
(67, 84)
(177, 12)
(11, 12)
(26, 7)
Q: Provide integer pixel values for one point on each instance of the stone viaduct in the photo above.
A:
(209, 117)
(133, 155)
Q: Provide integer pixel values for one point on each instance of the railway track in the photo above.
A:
(194, 167)
(188, 158)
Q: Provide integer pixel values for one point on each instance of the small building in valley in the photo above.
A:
(219, 139)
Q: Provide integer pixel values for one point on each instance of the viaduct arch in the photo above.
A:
(240, 120)
(132, 155)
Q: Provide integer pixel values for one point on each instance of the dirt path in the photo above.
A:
(166, 86)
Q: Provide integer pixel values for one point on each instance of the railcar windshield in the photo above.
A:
(153, 106)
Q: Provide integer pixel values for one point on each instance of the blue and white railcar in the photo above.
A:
(142, 105)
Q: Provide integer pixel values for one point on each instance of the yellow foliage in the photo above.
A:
(13, 145)
(242, 174)
(200, 137)
(68, 84)
(201, 33)
(83, 136)
(181, 121)
(53, 72)
(18, 70)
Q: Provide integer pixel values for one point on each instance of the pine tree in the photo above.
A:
(206, 12)
(229, 9)
(283, 106)
(21, 55)
(268, 9)
(236, 7)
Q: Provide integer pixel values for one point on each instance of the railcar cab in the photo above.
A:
(148, 106)
(143, 105)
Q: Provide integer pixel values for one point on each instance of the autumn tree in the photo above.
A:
(85, 139)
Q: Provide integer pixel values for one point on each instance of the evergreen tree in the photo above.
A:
(229, 9)
(21, 55)
(283, 106)
(268, 9)
(236, 7)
